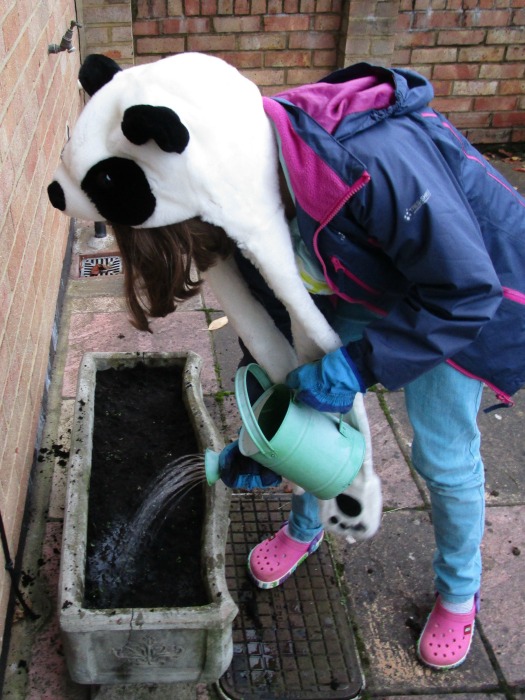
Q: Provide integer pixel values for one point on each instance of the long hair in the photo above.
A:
(158, 264)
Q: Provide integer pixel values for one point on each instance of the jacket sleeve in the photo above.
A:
(417, 211)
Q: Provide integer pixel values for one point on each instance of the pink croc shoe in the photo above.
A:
(446, 637)
(275, 559)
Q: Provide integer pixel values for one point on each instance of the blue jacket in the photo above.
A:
(407, 219)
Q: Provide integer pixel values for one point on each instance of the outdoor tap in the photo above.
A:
(67, 40)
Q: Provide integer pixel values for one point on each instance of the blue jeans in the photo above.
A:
(442, 406)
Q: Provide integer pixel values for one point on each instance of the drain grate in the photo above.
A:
(293, 642)
(100, 265)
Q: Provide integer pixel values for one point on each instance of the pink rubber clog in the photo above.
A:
(275, 559)
(446, 637)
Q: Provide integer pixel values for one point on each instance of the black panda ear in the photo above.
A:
(96, 71)
(144, 122)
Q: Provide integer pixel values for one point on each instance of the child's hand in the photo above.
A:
(330, 384)
(240, 472)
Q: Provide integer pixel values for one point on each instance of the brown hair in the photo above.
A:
(157, 264)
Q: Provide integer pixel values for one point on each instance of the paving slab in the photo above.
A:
(112, 332)
(398, 486)
(390, 583)
(503, 592)
(503, 449)
(502, 443)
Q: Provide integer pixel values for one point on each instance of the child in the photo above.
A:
(414, 250)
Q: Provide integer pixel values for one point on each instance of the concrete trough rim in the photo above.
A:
(74, 618)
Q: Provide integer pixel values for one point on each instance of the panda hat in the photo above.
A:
(183, 137)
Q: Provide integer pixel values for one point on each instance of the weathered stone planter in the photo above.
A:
(153, 645)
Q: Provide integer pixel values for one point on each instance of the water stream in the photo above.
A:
(116, 561)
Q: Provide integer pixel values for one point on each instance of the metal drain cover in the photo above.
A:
(100, 265)
(293, 642)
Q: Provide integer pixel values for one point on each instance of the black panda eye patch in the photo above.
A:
(120, 191)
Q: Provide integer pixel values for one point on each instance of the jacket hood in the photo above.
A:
(360, 96)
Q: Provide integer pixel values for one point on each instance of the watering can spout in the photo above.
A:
(211, 466)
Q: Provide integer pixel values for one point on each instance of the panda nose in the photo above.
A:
(56, 195)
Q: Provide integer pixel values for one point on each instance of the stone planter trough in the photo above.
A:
(154, 645)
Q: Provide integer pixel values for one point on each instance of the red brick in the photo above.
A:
(461, 37)
(488, 18)
(442, 88)
(495, 104)
(146, 27)
(455, 71)
(307, 6)
(258, 7)
(264, 41)
(298, 76)
(502, 71)
(225, 7)
(209, 7)
(311, 40)
(327, 23)
(149, 9)
(325, 58)
(284, 59)
(230, 25)
(211, 42)
(266, 76)
(512, 87)
(441, 55)
(481, 54)
(241, 7)
(416, 39)
(11, 28)
(192, 7)
(475, 87)
(115, 13)
(160, 45)
(516, 53)
(503, 119)
(452, 104)
(173, 26)
(275, 7)
(242, 59)
(506, 36)
(287, 23)
(437, 20)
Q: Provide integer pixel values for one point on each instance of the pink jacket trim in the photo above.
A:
(500, 395)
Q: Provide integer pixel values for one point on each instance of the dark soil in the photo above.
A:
(141, 425)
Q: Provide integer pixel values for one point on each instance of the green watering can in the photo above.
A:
(317, 451)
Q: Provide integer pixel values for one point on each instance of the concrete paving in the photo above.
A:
(388, 580)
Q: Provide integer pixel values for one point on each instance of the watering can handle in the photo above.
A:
(245, 408)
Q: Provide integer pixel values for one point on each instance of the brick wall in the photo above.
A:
(273, 42)
(37, 99)
(472, 50)
(106, 28)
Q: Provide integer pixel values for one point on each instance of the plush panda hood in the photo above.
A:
(182, 137)
(162, 142)
(187, 136)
